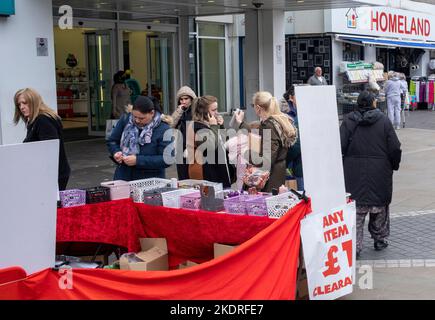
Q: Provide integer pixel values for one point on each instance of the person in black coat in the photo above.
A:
(42, 123)
(371, 151)
(202, 137)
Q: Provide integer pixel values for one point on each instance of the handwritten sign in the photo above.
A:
(328, 240)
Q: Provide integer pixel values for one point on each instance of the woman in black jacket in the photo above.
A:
(42, 123)
(207, 156)
(371, 151)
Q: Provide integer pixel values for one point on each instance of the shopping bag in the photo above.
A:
(110, 124)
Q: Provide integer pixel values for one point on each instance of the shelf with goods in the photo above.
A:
(356, 76)
(72, 91)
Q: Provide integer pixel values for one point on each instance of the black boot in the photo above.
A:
(380, 245)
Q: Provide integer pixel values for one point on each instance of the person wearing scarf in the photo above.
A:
(371, 151)
(136, 144)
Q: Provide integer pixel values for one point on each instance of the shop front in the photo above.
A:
(379, 40)
(89, 55)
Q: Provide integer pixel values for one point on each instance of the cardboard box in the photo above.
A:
(222, 249)
(153, 256)
(187, 264)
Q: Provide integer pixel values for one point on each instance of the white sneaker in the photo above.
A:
(397, 127)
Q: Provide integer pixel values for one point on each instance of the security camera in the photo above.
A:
(257, 4)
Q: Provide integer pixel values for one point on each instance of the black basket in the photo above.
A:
(154, 197)
(97, 194)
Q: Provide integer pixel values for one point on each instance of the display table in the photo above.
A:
(190, 234)
(114, 223)
(263, 267)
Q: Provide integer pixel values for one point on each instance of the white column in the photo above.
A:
(21, 67)
(264, 54)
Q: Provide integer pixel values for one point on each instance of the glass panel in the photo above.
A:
(212, 70)
(160, 73)
(211, 30)
(100, 80)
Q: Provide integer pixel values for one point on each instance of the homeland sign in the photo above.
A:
(383, 22)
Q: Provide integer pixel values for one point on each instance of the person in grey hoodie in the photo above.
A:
(393, 89)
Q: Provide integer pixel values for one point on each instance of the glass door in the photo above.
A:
(99, 56)
(160, 75)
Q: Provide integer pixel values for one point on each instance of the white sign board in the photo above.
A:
(383, 22)
(28, 193)
(320, 146)
(328, 240)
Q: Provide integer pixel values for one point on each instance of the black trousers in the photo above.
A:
(62, 182)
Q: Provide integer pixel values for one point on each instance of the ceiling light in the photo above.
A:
(301, 1)
(210, 1)
(243, 5)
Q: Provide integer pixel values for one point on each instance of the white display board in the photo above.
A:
(28, 194)
(320, 146)
(328, 240)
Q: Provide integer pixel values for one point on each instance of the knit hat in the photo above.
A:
(185, 91)
(143, 104)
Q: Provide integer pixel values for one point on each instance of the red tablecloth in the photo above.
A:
(190, 234)
(264, 267)
(114, 222)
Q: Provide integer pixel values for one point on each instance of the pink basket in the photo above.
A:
(191, 201)
(257, 206)
(237, 205)
(119, 189)
(72, 198)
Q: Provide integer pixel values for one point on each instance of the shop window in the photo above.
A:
(352, 52)
(211, 30)
(303, 54)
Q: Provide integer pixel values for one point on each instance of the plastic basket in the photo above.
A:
(97, 194)
(237, 205)
(72, 198)
(137, 187)
(196, 184)
(171, 199)
(256, 206)
(278, 205)
(154, 197)
(191, 201)
(119, 189)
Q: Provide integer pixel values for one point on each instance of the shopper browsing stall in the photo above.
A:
(181, 115)
(137, 142)
(282, 133)
(42, 123)
(371, 151)
(204, 129)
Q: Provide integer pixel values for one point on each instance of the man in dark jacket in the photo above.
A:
(371, 151)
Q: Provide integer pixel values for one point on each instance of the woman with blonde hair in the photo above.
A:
(43, 123)
(283, 135)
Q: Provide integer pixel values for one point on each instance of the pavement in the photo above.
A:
(404, 270)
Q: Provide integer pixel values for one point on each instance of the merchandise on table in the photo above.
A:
(138, 187)
(154, 197)
(191, 201)
(171, 199)
(97, 194)
(257, 206)
(72, 198)
(280, 204)
(119, 189)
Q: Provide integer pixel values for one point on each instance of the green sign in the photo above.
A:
(7, 7)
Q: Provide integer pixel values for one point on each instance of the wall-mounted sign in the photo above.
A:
(41, 47)
(383, 22)
(7, 7)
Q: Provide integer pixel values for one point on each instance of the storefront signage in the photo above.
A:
(383, 22)
(328, 240)
(7, 7)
